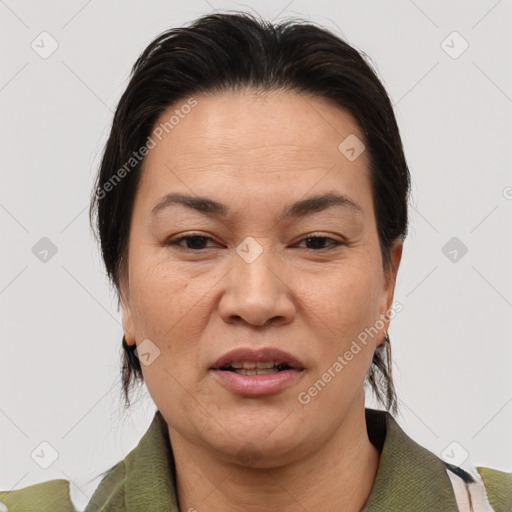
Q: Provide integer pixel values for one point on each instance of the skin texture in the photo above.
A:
(257, 152)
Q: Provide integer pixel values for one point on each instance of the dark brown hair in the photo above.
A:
(218, 52)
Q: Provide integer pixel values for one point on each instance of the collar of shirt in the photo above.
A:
(409, 477)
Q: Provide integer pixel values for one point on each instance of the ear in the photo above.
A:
(388, 290)
(126, 310)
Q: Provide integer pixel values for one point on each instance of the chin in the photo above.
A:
(260, 446)
(254, 455)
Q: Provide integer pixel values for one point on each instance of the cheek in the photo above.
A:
(163, 297)
(351, 295)
(171, 307)
(169, 311)
(343, 311)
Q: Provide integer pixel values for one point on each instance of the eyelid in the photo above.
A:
(320, 234)
(331, 243)
(176, 241)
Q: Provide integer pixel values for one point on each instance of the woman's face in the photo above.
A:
(258, 273)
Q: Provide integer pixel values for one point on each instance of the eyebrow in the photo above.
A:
(298, 209)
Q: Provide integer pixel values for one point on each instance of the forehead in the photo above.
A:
(249, 120)
(252, 140)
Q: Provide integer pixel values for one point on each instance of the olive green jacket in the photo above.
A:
(409, 478)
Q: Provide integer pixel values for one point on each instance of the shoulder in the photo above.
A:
(409, 475)
(143, 476)
(498, 486)
(484, 490)
(50, 496)
(54, 495)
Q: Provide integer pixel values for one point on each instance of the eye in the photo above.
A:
(193, 241)
(317, 242)
(196, 242)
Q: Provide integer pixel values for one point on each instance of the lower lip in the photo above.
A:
(257, 385)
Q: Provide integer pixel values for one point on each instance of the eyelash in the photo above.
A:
(176, 241)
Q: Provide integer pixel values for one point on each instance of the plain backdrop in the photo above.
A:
(446, 66)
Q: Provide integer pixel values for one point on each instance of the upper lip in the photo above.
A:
(240, 355)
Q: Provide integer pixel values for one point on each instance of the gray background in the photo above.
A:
(60, 331)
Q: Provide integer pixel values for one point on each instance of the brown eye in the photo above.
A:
(318, 242)
(193, 242)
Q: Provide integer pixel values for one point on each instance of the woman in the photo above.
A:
(251, 206)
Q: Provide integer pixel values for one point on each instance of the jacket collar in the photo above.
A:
(409, 477)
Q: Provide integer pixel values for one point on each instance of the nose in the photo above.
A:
(257, 293)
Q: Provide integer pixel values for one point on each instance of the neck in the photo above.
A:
(340, 476)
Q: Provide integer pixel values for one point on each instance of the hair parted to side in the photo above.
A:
(229, 51)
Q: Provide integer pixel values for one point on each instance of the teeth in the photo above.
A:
(265, 365)
(258, 371)
(247, 365)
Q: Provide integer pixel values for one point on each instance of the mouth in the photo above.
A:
(252, 373)
(260, 368)
(264, 361)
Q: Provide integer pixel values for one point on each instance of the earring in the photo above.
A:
(132, 356)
